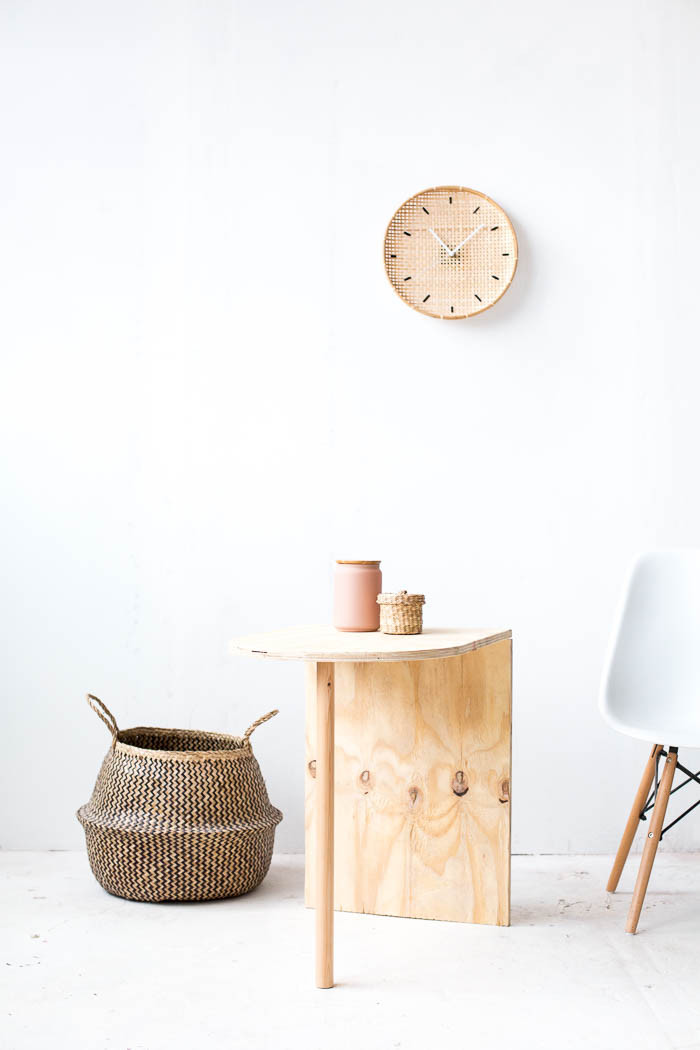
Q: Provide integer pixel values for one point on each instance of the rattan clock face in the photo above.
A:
(450, 252)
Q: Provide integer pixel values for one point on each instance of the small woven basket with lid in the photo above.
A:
(178, 814)
(401, 613)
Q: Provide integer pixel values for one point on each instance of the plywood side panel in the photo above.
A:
(422, 787)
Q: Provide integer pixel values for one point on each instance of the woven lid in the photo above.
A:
(401, 598)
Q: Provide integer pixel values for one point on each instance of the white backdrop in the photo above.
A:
(206, 373)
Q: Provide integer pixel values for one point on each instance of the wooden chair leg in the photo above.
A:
(654, 834)
(633, 819)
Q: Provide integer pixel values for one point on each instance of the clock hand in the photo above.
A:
(431, 230)
(472, 234)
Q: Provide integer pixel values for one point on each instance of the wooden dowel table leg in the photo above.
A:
(325, 725)
(633, 819)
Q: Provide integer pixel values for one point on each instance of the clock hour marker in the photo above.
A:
(392, 256)
(427, 297)
(406, 233)
(495, 278)
(426, 211)
(450, 200)
(505, 253)
(476, 209)
(452, 309)
(494, 228)
(477, 296)
(407, 278)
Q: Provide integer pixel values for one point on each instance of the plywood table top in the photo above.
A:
(324, 644)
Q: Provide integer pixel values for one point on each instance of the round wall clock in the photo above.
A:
(450, 252)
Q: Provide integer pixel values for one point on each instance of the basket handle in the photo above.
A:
(110, 721)
(256, 723)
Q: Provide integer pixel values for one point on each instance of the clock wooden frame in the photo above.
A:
(398, 279)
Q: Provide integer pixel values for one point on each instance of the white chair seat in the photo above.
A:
(684, 735)
(651, 687)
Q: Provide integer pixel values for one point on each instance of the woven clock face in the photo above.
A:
(450, 252)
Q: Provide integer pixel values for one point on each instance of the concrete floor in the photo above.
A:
(81, 969)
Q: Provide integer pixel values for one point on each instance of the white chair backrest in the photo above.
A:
(651, 687)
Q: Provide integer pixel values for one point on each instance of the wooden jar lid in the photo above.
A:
(343, 561)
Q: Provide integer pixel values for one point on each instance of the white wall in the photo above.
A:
(205, 367)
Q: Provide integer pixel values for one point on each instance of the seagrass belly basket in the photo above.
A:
(178, 814)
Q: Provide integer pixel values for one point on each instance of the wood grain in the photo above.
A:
(422, 797)
(324, 644)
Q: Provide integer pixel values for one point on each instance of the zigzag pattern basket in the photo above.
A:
(178, 814)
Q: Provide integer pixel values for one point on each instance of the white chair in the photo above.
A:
(651, 690)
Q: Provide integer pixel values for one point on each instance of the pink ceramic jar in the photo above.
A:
(357, 584)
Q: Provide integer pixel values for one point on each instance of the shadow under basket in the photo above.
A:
(178, 814)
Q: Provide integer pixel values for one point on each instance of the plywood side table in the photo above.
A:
(408, 773)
